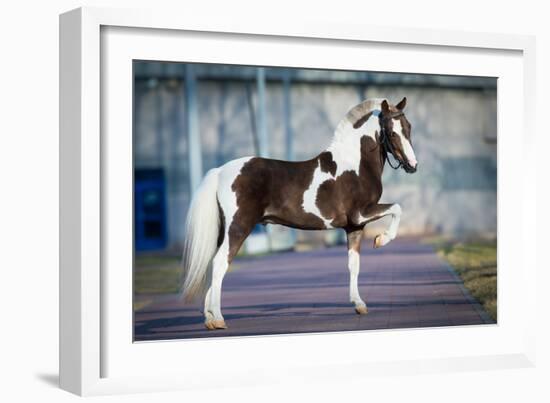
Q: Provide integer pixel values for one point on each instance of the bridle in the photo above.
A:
(385, 139)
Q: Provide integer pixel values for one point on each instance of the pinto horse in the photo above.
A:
(339, 188)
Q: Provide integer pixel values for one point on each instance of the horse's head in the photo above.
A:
(395, 134)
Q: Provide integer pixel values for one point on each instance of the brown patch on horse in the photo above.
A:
(336, 197)
(372, 164)
(342, 199)
(406, 127)
(361, 121)
(398, 147)
(221, 231)
(271, 191)
(327, 163)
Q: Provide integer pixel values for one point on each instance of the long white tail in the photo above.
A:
(201, 236)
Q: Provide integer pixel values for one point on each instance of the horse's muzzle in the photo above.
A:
(409, 169)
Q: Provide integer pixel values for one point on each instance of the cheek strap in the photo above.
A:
(385, 141)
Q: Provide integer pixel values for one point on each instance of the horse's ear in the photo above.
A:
(401, 105)
(385, 107)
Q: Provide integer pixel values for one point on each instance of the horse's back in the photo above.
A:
(263, 179)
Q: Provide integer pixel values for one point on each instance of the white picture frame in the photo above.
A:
(96, 355)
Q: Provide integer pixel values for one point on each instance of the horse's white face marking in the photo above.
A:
(407, 147)
(309, 203)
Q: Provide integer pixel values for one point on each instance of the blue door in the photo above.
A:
(150, 209)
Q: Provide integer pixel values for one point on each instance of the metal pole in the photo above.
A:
(193, 135)
(159, 141)
(289, 140)
(261, 130)
(263, 142)
(289, 143)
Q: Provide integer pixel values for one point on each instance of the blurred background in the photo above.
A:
(189, 118)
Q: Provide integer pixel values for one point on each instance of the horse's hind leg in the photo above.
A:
(234, 236)
(354, 245)
(212, 301)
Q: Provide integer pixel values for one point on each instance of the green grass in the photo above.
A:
(139, 305)
(159, 274)
(476, 264)
(156, 275)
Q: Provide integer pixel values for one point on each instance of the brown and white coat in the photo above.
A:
(339, 188)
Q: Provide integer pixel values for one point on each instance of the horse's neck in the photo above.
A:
(348, 152)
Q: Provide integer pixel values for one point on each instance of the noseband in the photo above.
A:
(385, 139)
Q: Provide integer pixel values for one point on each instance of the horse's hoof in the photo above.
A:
(380, 240)
(361, 309)
(220, 324)
(215, 324)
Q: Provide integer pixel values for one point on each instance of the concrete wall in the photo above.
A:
(454, 136)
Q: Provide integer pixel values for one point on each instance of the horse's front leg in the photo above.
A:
(354, 245)
(382, 210)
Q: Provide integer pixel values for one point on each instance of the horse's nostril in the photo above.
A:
(410, 168)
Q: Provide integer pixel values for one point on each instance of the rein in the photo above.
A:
(386, 142)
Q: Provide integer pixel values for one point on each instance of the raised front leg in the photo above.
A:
(354, 245)
(382, 210)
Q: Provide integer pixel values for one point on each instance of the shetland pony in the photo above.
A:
(339, 188)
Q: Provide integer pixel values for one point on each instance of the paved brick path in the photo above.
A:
(404, 285)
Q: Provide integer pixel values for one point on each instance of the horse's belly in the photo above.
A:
(304, 221)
